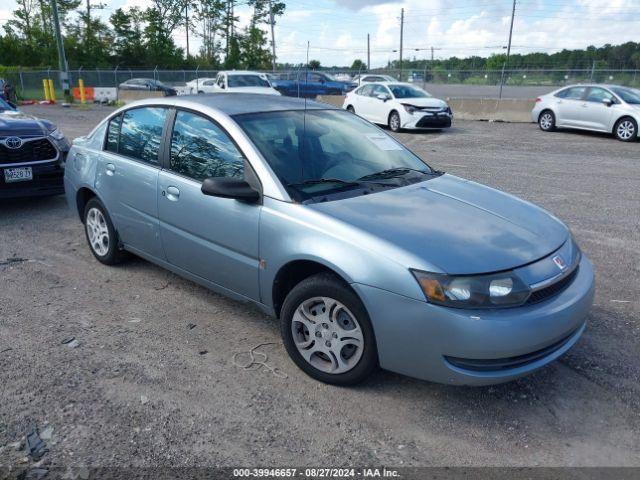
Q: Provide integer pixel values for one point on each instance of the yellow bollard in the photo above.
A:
(52, 91)
(45, 86)
(83, 95)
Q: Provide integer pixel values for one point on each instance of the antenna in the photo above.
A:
(304, 114)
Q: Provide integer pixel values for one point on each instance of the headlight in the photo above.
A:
(57, 134)
(503, 289)
(409, 108)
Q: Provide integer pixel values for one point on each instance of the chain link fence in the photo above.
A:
(28, 83)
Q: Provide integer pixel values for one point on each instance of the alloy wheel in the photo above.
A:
(626, 129)
(97, 231)
(394, 122)
(327, 335)
(546, 121)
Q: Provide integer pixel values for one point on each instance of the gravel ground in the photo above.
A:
(152, 381)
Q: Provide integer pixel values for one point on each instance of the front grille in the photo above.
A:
(489, 365)
(30, 151)
(434, 121)
(553, 289)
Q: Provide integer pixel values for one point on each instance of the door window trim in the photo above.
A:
(165, 147)
(162, 135)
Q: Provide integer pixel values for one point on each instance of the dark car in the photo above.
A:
(148, 84)
(311, 84)
(32, 155)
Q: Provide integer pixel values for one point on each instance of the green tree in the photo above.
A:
(314, 64)
(358, 65)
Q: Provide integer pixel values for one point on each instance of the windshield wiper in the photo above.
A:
(396, 172)
(317, 181)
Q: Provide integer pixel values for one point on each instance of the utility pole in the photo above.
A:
(401, 38)
(368, 53)
(273, 36)
(186, 24)
(504, 65)
(62, 59)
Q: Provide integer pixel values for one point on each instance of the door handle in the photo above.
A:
(110, 168)
(173, 193)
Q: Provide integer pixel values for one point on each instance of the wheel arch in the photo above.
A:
(83, 195)
(547, 109)
(622, 117)
(292, 273)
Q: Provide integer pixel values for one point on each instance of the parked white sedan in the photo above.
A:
(399, 105)
(201, 85)
(601, 108)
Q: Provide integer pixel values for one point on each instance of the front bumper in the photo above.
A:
(47, 180)
(421, 120)
(446, 345)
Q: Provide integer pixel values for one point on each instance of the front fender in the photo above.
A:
(290, 232)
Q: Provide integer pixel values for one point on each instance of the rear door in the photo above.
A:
(596, 114)
(569, 109)
(211, 237)
(127, 177)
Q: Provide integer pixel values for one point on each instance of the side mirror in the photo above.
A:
(382, 96)
(607, 101)
(226, 187)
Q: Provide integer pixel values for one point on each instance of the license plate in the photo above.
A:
(21, 174)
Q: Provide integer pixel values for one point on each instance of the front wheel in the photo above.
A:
(626, 129)
(547, 121)
(327, 332)
(394, 121)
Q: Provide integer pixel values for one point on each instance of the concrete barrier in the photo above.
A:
(505, 110)
(128, 96)
(488, 109)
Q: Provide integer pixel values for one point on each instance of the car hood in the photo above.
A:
(262, 90)
(458, 226)
(20, 124)
(423, 102)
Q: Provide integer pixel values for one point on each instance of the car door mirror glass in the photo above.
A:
(226, 187)
(607, 101)
(382, 96)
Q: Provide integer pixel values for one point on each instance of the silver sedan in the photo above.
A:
(601, 108)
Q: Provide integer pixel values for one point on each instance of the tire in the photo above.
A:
(394, 121)
(101, 236)
(626, 129)
(547, 121)
(200, 92)
(345, 323)
(351, 109)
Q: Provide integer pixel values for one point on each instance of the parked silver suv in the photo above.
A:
(601, 108)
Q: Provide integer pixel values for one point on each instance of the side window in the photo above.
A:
(365, 91)
(575, 93)
(208, 83)
(316, 78)
(141, 133)
(379, 90)
(200, 149)
(113, 132)
(598, 95)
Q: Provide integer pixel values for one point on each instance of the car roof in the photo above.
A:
(238, 103)
(241, 72)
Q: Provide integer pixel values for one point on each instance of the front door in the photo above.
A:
(127, 177)
(597, 115)
(211, 237)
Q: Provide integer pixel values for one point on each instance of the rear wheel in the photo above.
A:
(394, 121)
(327, 332)
(547, 121)
(626, 129)
(351, 109)
(101, 236)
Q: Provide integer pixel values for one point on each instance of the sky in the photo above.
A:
(337, 29)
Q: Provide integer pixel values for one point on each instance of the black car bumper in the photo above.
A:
(47, 180)
(434, 121)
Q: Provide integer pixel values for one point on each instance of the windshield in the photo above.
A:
(305, 153)
(407, 91)
(629, 95)
(247, 81)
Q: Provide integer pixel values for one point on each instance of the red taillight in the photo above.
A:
(538, 99)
